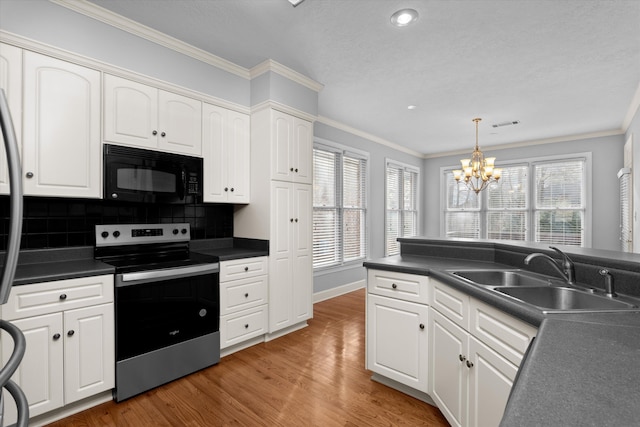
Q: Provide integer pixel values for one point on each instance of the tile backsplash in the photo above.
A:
(59, 222)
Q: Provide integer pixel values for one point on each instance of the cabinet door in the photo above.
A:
(302, 274)
(180, 121)
(280, 256)
(397, 340)
(239, 157)
(281, 146)
(130, 113)
(215, 153)
(61, 141)
(448, 370)
(89, 362)
(302, 160)
(490, 381)
(40, 374)
(11, 82)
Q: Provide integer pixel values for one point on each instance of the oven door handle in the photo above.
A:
(129, 279)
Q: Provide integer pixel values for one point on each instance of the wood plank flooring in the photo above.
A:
(311, 377)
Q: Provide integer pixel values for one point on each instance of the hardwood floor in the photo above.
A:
(311, 377)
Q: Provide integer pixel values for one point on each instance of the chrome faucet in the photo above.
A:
(566, 268)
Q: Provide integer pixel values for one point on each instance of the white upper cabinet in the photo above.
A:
(142, 116)
(61, 141)
(11, 82)
(291, 152)
(226, 145)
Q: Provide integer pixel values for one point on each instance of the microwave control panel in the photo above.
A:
(192, 184)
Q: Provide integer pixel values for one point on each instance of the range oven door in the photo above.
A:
(160, 308)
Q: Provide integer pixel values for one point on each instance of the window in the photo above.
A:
(401, 204)
(339, 206)
(541, 200)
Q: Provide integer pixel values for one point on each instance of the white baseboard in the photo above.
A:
(70, 409)
(338, 290)
(241, 346)
(285, 331)
(404, 389)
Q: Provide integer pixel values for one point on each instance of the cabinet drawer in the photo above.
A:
(242, 294)
(50, 297)
(500, 331)
(451, 303)
(408, 287)
(241, 326)
(242, 268)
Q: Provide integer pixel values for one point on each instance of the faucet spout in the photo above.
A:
(566, 268)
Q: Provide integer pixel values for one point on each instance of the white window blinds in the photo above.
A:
(542, 201)
(507, 207)
(559, 202)
(462, 215)
(339, 206)
(326, 236)
(401, 204)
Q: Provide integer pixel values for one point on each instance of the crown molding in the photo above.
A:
(531, 143)
(276, 67)
(338, 125)
(283, 108)
(96, 12)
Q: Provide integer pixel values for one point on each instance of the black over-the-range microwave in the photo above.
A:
(139, 175)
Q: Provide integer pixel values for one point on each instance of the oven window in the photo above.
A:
(148, 180)
(155, 315)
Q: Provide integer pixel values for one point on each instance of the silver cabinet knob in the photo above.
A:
(29, 175)
(469, 364)
(462, 358)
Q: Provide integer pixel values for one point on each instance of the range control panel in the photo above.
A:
(135, 234)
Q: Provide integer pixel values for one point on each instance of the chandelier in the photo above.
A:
(479, 171)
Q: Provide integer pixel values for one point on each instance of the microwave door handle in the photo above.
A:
(183, 187)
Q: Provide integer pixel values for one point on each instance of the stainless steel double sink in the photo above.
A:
(544, 292)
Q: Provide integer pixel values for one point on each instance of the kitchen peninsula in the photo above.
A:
(579, 369)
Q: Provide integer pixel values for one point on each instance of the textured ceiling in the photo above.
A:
(562, 68)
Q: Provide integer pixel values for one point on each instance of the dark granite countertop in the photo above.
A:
(231, 248)
(581, 368)
(580, 372)
(44, 265)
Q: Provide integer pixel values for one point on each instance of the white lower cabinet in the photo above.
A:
(397, 344)
(491, 377)
(244, 305)
(70, 354)
(475, 354)
(462, 353)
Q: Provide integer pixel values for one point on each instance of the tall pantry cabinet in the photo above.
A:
(281, 211)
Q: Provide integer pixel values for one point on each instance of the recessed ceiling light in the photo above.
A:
(411, 107)
(404, 17)
(295, 2)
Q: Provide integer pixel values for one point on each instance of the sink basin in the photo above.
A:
(551, 298)
(503, 278)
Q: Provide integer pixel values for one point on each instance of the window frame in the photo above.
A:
(531, 205)
(343, 150)
(409, 168)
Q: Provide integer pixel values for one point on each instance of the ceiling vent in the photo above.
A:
(499, 125)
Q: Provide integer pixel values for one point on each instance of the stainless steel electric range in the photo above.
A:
(166, 304)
